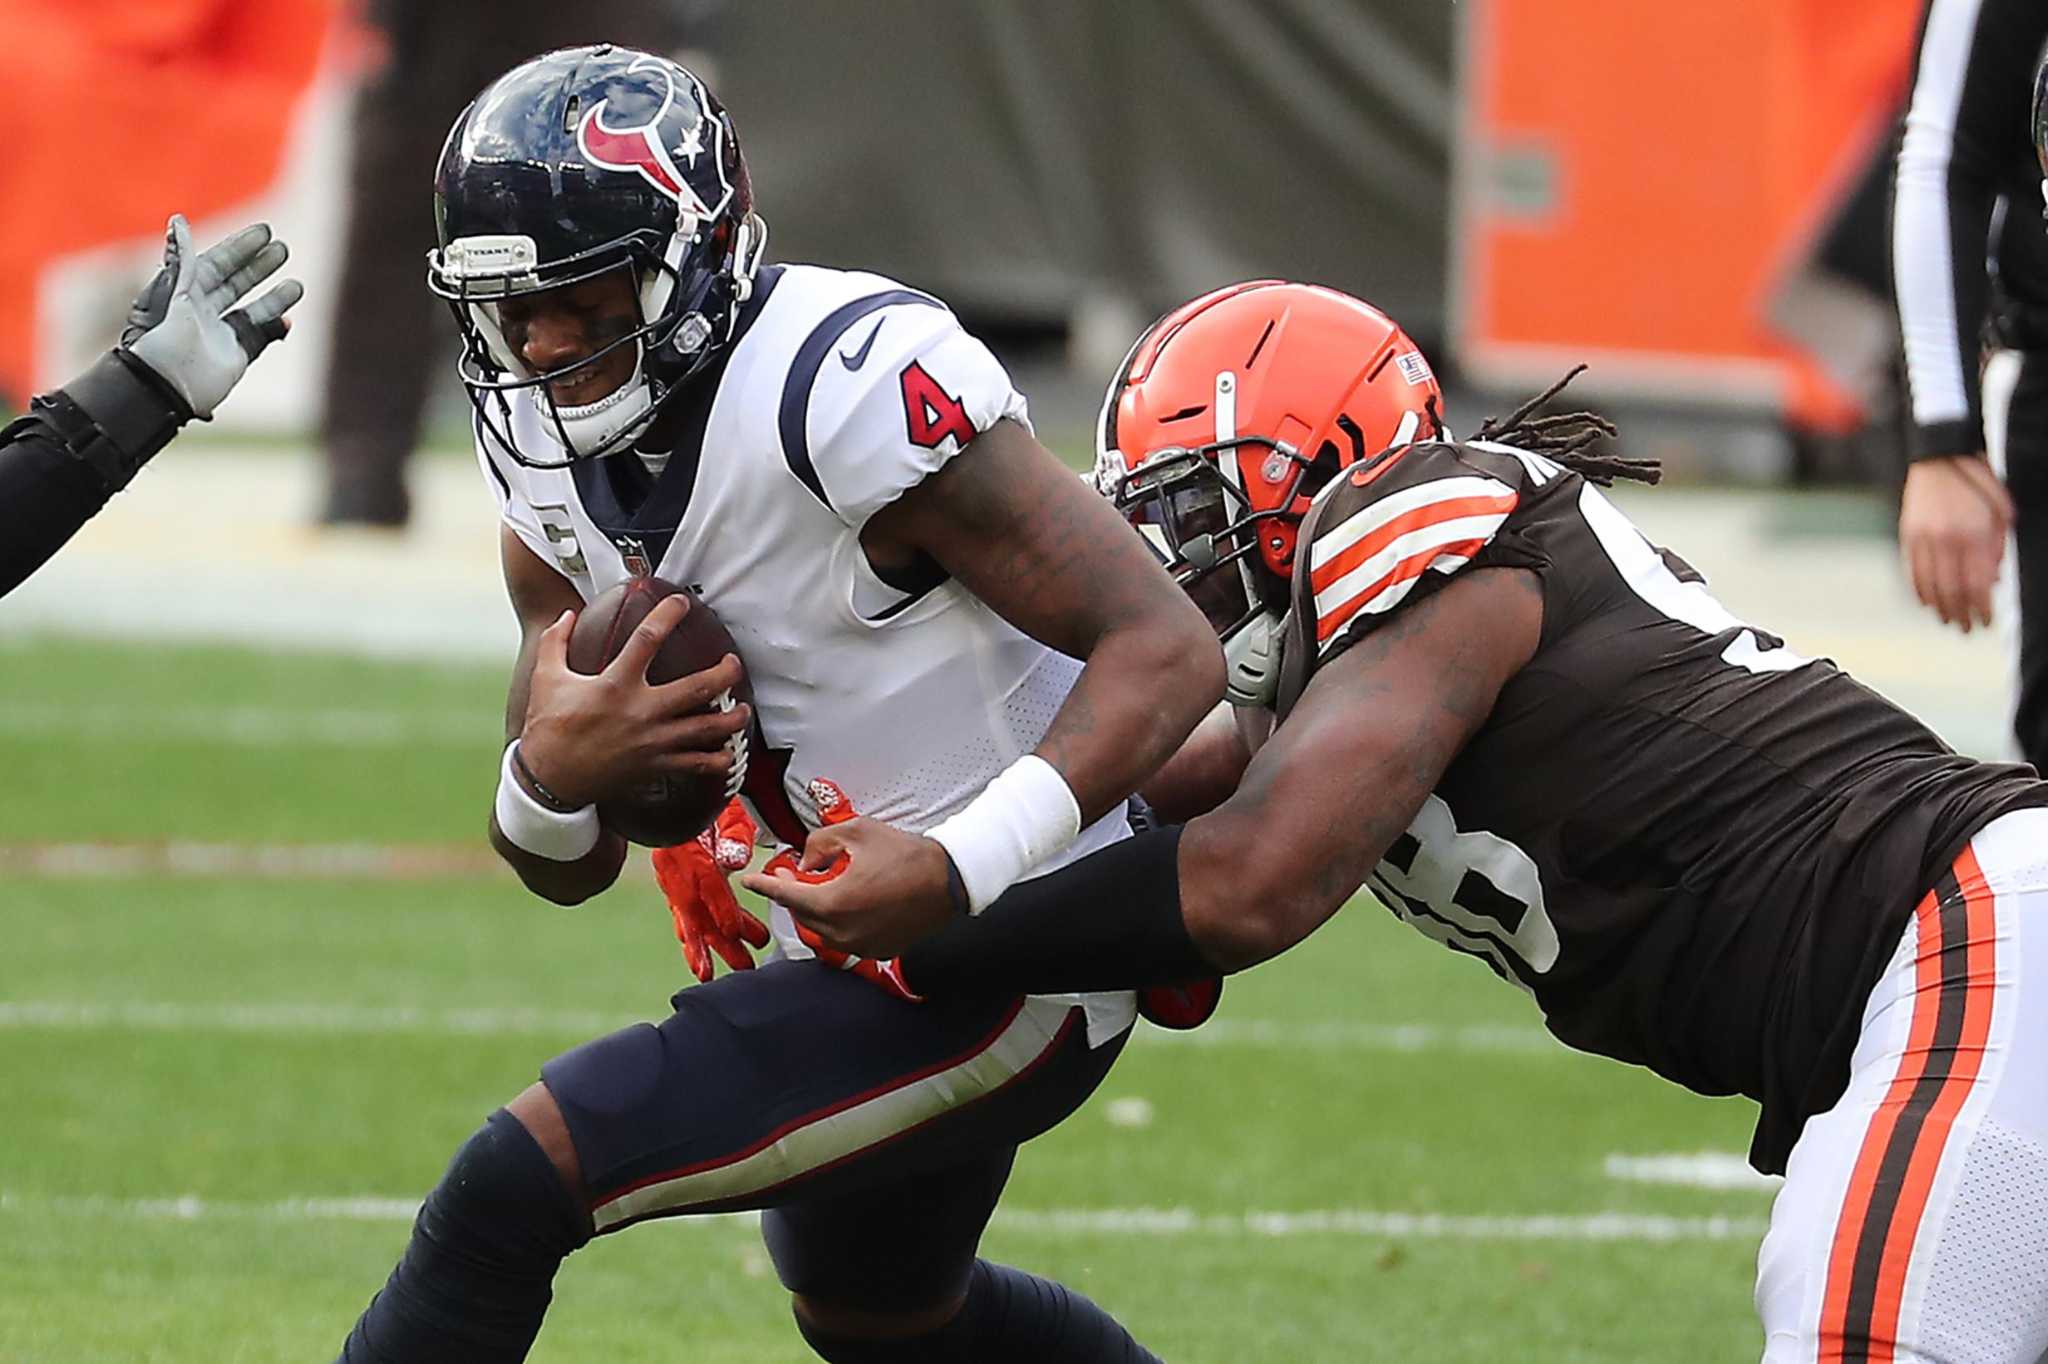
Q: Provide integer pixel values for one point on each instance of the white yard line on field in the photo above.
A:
(253, 726)
(334, 1019)
(1691, 1169)
(299, 1017)
(261, 861)
(1051, 1222)
(1363, 1222)
(1346, 1035)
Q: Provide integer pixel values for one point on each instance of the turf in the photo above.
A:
(255, 1044)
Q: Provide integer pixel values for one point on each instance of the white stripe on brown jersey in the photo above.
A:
(1368, 562)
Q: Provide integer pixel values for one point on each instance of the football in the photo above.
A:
(668, 810)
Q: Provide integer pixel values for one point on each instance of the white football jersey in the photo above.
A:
(843, 390)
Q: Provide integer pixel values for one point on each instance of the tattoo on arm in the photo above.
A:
(1024, 534)
(1344, 775)
(1430, 715)
(1020, 530)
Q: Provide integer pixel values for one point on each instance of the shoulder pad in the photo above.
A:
(881, 394)
(1373, 533)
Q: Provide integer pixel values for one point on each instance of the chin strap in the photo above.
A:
(749, 246)
(601, 427)
(609, 423)
(1251, 662)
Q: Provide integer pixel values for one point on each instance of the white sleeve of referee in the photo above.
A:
(1966, 139)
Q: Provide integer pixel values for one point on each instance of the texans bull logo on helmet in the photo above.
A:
(638, 147)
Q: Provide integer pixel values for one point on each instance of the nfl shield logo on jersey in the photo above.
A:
(633, 551)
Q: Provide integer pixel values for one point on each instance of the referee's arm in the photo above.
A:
(77, 447)
(185, 346)
(1965, 137)
(45, 496)
(1965, 130)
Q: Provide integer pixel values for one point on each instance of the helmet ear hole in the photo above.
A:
(1325, 466)
(1355, 434)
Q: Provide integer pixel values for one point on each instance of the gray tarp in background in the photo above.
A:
(1016, 156)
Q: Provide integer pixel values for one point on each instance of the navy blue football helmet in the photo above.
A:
(572, 164)
(2040, 120)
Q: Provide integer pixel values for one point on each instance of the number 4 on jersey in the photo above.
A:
(934, 413)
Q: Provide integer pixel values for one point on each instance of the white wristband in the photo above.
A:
(1027, 814)
(537, 829)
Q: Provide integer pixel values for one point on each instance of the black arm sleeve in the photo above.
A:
(1965, 145)
(77, 447)
(1110, 921)
(46, 494)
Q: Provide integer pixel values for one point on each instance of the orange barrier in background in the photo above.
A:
(123, 111)
(1636, 180)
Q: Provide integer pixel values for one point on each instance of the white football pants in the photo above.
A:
(1913, 1224)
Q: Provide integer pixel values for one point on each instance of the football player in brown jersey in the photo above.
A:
(1461, 677)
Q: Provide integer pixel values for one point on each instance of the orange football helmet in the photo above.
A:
(1228, 416)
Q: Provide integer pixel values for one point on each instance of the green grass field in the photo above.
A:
(225, 1078)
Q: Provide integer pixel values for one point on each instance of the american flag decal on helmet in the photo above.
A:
(1368, 562)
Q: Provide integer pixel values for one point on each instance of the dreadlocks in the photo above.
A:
(1567, 437)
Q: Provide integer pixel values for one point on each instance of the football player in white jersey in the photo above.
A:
(850, 480)
(1463, 679)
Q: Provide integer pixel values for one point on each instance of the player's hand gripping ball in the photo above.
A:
(665, 810)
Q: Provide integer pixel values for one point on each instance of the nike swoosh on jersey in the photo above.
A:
(860, 357)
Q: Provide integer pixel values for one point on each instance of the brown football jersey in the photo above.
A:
(1695, 848)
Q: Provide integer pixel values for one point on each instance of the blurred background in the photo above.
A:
(1690, 202)
(259, 971)
(1707, 231)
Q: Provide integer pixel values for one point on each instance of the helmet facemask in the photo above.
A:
(2038, 117)
(671, 340)
(1205, 530)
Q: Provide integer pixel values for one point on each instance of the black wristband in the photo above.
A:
(1944, 440)
(1110, 921)
(114, 416)
(540, 792)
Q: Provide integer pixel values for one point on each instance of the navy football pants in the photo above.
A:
(876, 1134)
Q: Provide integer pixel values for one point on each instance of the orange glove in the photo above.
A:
(1180, 1007)
(693, 877)
(887, 976)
